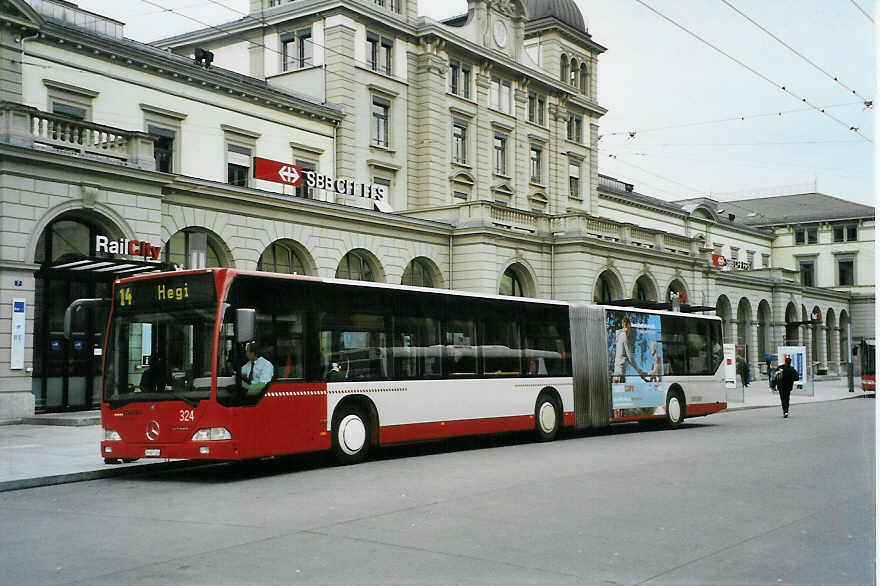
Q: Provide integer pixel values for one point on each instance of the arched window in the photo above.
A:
(563, 68)
(281, 258)
(511, 284)
(66, 238)
(417, 274)
(355, 266)
(573, 72)
(584, 88)
(193, 248)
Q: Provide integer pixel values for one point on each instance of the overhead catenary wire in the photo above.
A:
(648, 171)
(733, 144)
(851, 128)
(868, 103)
(862, 10)
(632, 133)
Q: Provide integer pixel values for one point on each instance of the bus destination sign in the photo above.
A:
(166, 293)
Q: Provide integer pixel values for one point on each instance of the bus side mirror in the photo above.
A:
(245, 325)
(76, 306)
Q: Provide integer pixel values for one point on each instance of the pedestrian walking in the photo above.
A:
(783, 380)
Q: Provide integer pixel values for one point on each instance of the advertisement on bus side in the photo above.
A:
(635, 363)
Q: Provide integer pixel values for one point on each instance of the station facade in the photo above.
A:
(480, 132)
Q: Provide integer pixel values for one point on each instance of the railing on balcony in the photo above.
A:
(677, 244)
(25, 126)
(77, 135)
(644, 238)
(514, 218)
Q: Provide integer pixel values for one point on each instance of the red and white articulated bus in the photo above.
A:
(345, 366)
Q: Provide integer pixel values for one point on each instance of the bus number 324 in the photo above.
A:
(187, 415)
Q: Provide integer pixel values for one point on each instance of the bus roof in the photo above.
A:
(231, 273)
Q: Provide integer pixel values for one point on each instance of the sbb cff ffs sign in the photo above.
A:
(288, 174)
(269, 170)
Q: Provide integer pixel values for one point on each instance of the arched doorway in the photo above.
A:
(607, 288)
(516, 282)
(67, 373)
(830, 325)
(765, 343)
(792, 328)
(743, 322)
(677, 286)
(722, 310)
(644, 289)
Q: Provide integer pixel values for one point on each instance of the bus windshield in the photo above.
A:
(160, 356)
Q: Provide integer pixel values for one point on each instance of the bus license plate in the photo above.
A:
(151, 452)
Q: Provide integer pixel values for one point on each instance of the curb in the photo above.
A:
(743, 407)
(37, 482)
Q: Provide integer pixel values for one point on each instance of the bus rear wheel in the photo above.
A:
(674, 409)
(351, 434)
(547, 418)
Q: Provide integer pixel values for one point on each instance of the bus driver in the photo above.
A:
(257, 371)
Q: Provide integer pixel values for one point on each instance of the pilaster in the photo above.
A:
(483, 142)
(339, 43)
(430, 135)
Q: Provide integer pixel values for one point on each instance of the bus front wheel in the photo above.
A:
(674, 409)
(547, 418)
(351, 434)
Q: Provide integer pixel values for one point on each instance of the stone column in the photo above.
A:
(835, 351)
(821, 332)
(808, 344)
(732, 330)
(752, 340)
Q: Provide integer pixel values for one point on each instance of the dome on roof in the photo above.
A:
(565, 11)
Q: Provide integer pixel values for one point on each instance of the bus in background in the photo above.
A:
(866, 360)
(226, 364)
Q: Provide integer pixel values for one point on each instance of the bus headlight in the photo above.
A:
(111, 436)
(210, 434)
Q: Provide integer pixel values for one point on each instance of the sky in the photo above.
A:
(686, 119)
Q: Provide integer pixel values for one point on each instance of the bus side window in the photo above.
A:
(499, 350)
(415, 348)
(289, 351)
(545, 344)
(460, 356)
(674, 331)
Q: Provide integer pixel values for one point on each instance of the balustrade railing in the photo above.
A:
(25, 126)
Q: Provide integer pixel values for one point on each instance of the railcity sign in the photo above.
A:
(287, 174)
(125, 246)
